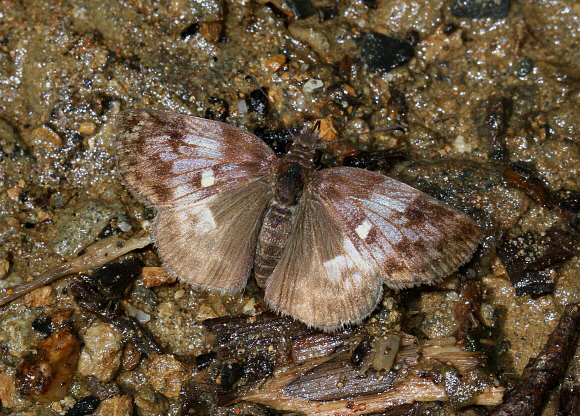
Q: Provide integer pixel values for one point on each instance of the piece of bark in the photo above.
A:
(544, 372)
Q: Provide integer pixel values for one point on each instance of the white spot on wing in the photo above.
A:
(207, 178)
(364, 229)
(336, 267)
(206, 222)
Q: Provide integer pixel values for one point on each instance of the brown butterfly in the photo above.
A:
(321, 242)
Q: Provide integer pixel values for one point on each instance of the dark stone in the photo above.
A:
(568, 200)
(371, 4)
(360, 352)
(258, 101)
(302, 8)
(412, 36)
(189, 31)
(328, 13)
(383, 53)
(85, 406)
(43, 325)
(481, 9)
(449, 28)
(492, 118)
(204, 360)
(117, 276)
(230, 374)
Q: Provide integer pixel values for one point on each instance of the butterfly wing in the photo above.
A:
(210, 183)
(321, 278)
(211, 244)
(365, 227)
(170, 159)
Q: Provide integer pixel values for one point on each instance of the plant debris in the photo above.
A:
(544, 372)
(529, 259)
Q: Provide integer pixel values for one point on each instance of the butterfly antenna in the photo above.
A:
(391, 128)
(254, 81)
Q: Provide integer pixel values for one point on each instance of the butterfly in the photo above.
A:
(321, 243)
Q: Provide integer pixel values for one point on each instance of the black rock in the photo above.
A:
(328, 13)
(230, 374)
(528, 259)
(302, 8)
(481, 9)
(85, 406)
(203, 361)
(258, 101)
(189, 31)
(383, 53)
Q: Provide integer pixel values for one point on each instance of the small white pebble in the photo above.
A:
(312, 85)
(243, 106)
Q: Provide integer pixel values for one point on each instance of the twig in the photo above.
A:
(543, 373)
(100, 253)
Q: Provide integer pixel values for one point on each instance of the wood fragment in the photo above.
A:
(544, 372)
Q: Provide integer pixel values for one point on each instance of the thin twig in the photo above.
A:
(100, 253)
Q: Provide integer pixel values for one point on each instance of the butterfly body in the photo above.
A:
(292, 173)
(321, 242)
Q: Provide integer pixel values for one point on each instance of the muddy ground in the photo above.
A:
(488, 96)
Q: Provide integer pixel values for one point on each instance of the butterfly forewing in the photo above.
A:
(405, 236)
(171, 159)
(210, 183)
(321, 278)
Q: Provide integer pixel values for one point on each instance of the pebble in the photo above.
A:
(274, 62)
(211, 31)
(328, 129)
(102, 352)
(77, 231)
(87, 128)
(8, 396)
(312, 85)
(4, 267)
(43, 296)
(167, 375)
(383, 53)
(45, 373)
(116, 406)
(302, 9)
(14, 193)
(155, 276)
(45, 139)
(316, 39)
(481, 9)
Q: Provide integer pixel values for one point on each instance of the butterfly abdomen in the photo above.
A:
(276, 228)
(279, 217)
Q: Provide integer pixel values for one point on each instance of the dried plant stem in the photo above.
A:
(281, 392)
(100, 253)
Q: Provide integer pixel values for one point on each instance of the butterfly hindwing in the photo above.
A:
(171, 159)
(321, 278)
(211, 244)
(407, 237)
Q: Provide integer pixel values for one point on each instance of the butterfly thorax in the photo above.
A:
(292, 172)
